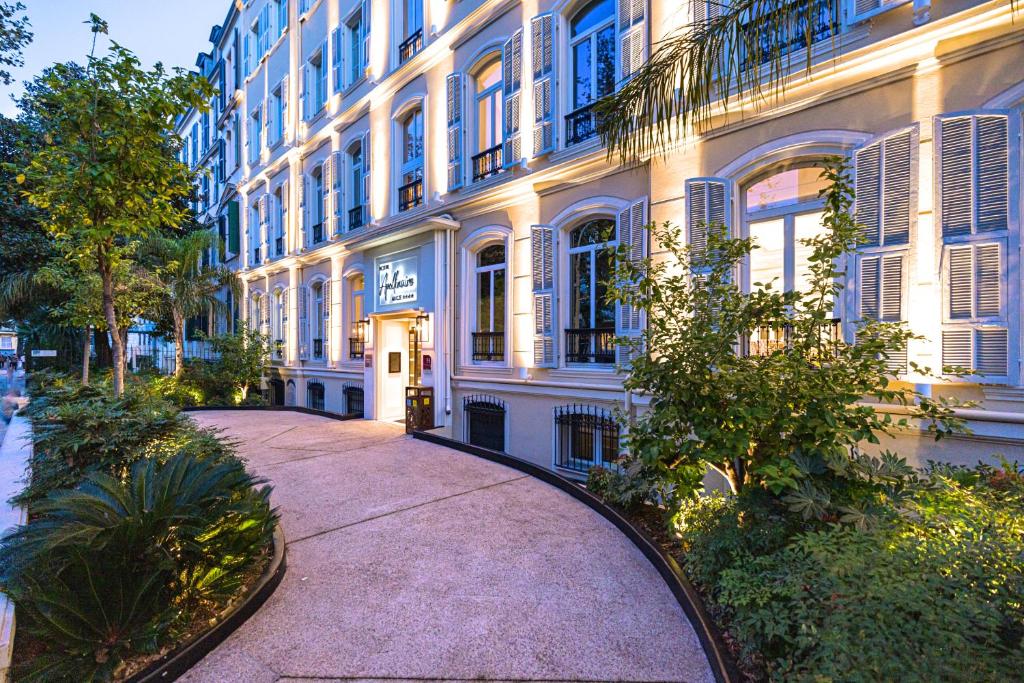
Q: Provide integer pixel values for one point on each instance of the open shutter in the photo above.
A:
(454, 97)
(327, 287)
(367, 218)
(247, 55)
(304, 95)
(303, 190)
(365, 11)
(262, 231)
(330, 225)
(285, 199)
(303, 311)
(973, 174)
(286, 126)
(336, 61)
(707, 203)
(322, 86)
(632, 36)
(542, 247)
(336, 192)
(631, 234)
(862, 10)
(267, 136)
(542, 36)
(512, 80)
(282, 16)
(264, 321)
(883, 189)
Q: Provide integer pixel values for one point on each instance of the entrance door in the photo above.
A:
(392, 369)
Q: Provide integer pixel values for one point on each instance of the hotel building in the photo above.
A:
(414, 195)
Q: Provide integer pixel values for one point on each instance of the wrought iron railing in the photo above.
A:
(586, 437)
(485, 421)
(488, 346)
(318, 233)
(278, 349)
(487, 163)
(357, 340)
(410, 195)
(580, 125)
(318, 349)
(769, 339)
(410, 46)
(590, 345)
(315, 396)
(772, 40)
(353, 400)
(355, 218)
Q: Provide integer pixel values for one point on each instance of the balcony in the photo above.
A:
(487, 163)
(357, 342)
(580, 125)
(318, 349)
(355, 218)
(790, 38)
(769, 339)
(318, 233)
(278, 349)
(488, 346)
(410, 47)
(410, 195)
(590, 345)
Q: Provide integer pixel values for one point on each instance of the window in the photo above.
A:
(357, 181)
(777, 41)
(319, 319)
(6, 343)
(410, 192)
(275, 131)
(487, 157)
(412, 22)
(355, 37)
(592, 50)
(277, 323)
(353, 400)
(358, 324)
(315, 395)
(489, 311)
(314, 94)
(255, 136)
(585, 437)
(485, 422)
(590, 336)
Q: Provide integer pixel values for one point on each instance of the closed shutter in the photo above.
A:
(454, 99)
(328, 170)
(973, 174)
(989, 281)
(632, 36)
(991, 351)
(233, 232)
(286, 124)
(707, 203)
(303, 313)
(542, 245)
(512, 79)
(975, 281)
(632, 235)
(542, 35)
(956, 348)
(870, 287)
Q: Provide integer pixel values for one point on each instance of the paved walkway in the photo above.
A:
(408, 560)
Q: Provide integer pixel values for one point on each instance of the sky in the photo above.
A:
(168, 31)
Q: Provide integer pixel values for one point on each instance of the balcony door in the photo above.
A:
(591, 332)
(592, 48)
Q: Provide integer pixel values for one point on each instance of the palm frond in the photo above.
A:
(747, 49)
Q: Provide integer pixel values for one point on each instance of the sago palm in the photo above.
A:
(190, 288)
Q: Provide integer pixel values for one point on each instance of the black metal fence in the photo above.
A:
(773, 39)
(315, 395)
(410, 46)
(485, 421)
(355, 218)
(353, 399)
(769, 339)
(590, 345)
(580, 125)
(585, 437)
(487, 163)
(488, 346)
(410, 195)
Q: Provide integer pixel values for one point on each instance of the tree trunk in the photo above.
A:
(103, 353)
(85, 355)
(110, 314)
(179, 344)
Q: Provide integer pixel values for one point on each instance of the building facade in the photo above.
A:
(414, 195)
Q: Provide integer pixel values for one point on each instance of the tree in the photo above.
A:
(789, 418)
(14, 36)
(107, 175)
(242, 357)
(189, 287)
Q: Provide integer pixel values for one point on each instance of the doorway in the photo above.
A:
(392, 368)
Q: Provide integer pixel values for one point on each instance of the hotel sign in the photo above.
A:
(396, 281)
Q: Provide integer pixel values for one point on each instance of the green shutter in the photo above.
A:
(233, 227)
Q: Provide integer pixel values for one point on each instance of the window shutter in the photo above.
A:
(988, 280)
(707, 204)
(365, 11)
(282, 15)
(883, 189)
(264, 321)
(541, 30)
(233, 234)
(330, 225)
(303, 306)
(991, 351)
(632, 236)
(869, 287)
(956, 347)
(285, 109)
(248, 54)
(961, 283)
(993, 173)
(336, 53)
(512, 80)
(304, 95)
(868, 161)
(973, 174)
(267, 117)
(327, 287)
(367, 218)
(285, 199)
(336, 191)
(455, 98)
(542, 244)
(632, 36)
(304, 210)
(892, 288)
(261, 230)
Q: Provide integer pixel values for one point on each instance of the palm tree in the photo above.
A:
(189, 287)
(725, 52)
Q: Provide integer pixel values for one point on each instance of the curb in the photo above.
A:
(292, 409)
(181, 659)
(719, 659)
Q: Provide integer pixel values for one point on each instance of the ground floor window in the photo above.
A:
(485, 422)
(353, 400)
(315, 396)
(585, 437)
(275, 389)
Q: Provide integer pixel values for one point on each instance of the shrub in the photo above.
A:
(108, 569)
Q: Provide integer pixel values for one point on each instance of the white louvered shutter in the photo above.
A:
(707, 203)
(973, 174)
(512, 80)
(862, 10)
(267, 116)
(306, 91)
(303, 190)
(264, 229)
(365, 10)
(632, 36)
(885, 176)
(455, 96)
(542, 247)
(367, 218)
(327, 287)
(988, 279)
(542, 37)
(286, 124)
(285, 228)
(303, 311)
(338, 200)
(328, 184)
(961, 283)
(264, 321)
(632, 235)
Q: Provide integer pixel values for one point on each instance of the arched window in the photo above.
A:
(316, 209)
(410, 193)
(319, 319)
(585, 437)
(315, 395)
(489, 129)
(277, 323)
(485, 422)
(356, 189)
(255, 311)
(489, 282)
(592, 48)
(591, 332)
(358, 325)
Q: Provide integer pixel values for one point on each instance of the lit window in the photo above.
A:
(410, 194)
(591, 332)
(489, 327)
(487, 158)
(317, 207)
(319, 319)
(592, 49)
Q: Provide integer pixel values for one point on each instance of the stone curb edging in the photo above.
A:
(293, 409)
(15, 454)
(719, 658)
(181, 659)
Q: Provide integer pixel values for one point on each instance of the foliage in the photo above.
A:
(152, 547)
(14, 36)
(792, 420)
(225, 381)
(932, 594)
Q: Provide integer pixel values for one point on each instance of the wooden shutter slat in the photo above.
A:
(955, 176)
(896, 179)
(961, 283)
(868, 161)
(892, 288)
(988, 280)
(993, 173)
(991, 351)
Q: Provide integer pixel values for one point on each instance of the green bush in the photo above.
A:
(936, 593)
(111, 568)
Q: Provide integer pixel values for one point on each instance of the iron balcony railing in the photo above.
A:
(488, 346)
(580, 125)
(410, 195)
(357, 340)
(318, 233)
(590, 345)
(768, 339)
(586, 437)
(487, 163)
(278, 349)
(318, 348)
(772, 41)
(410, 47)
(355, 218)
